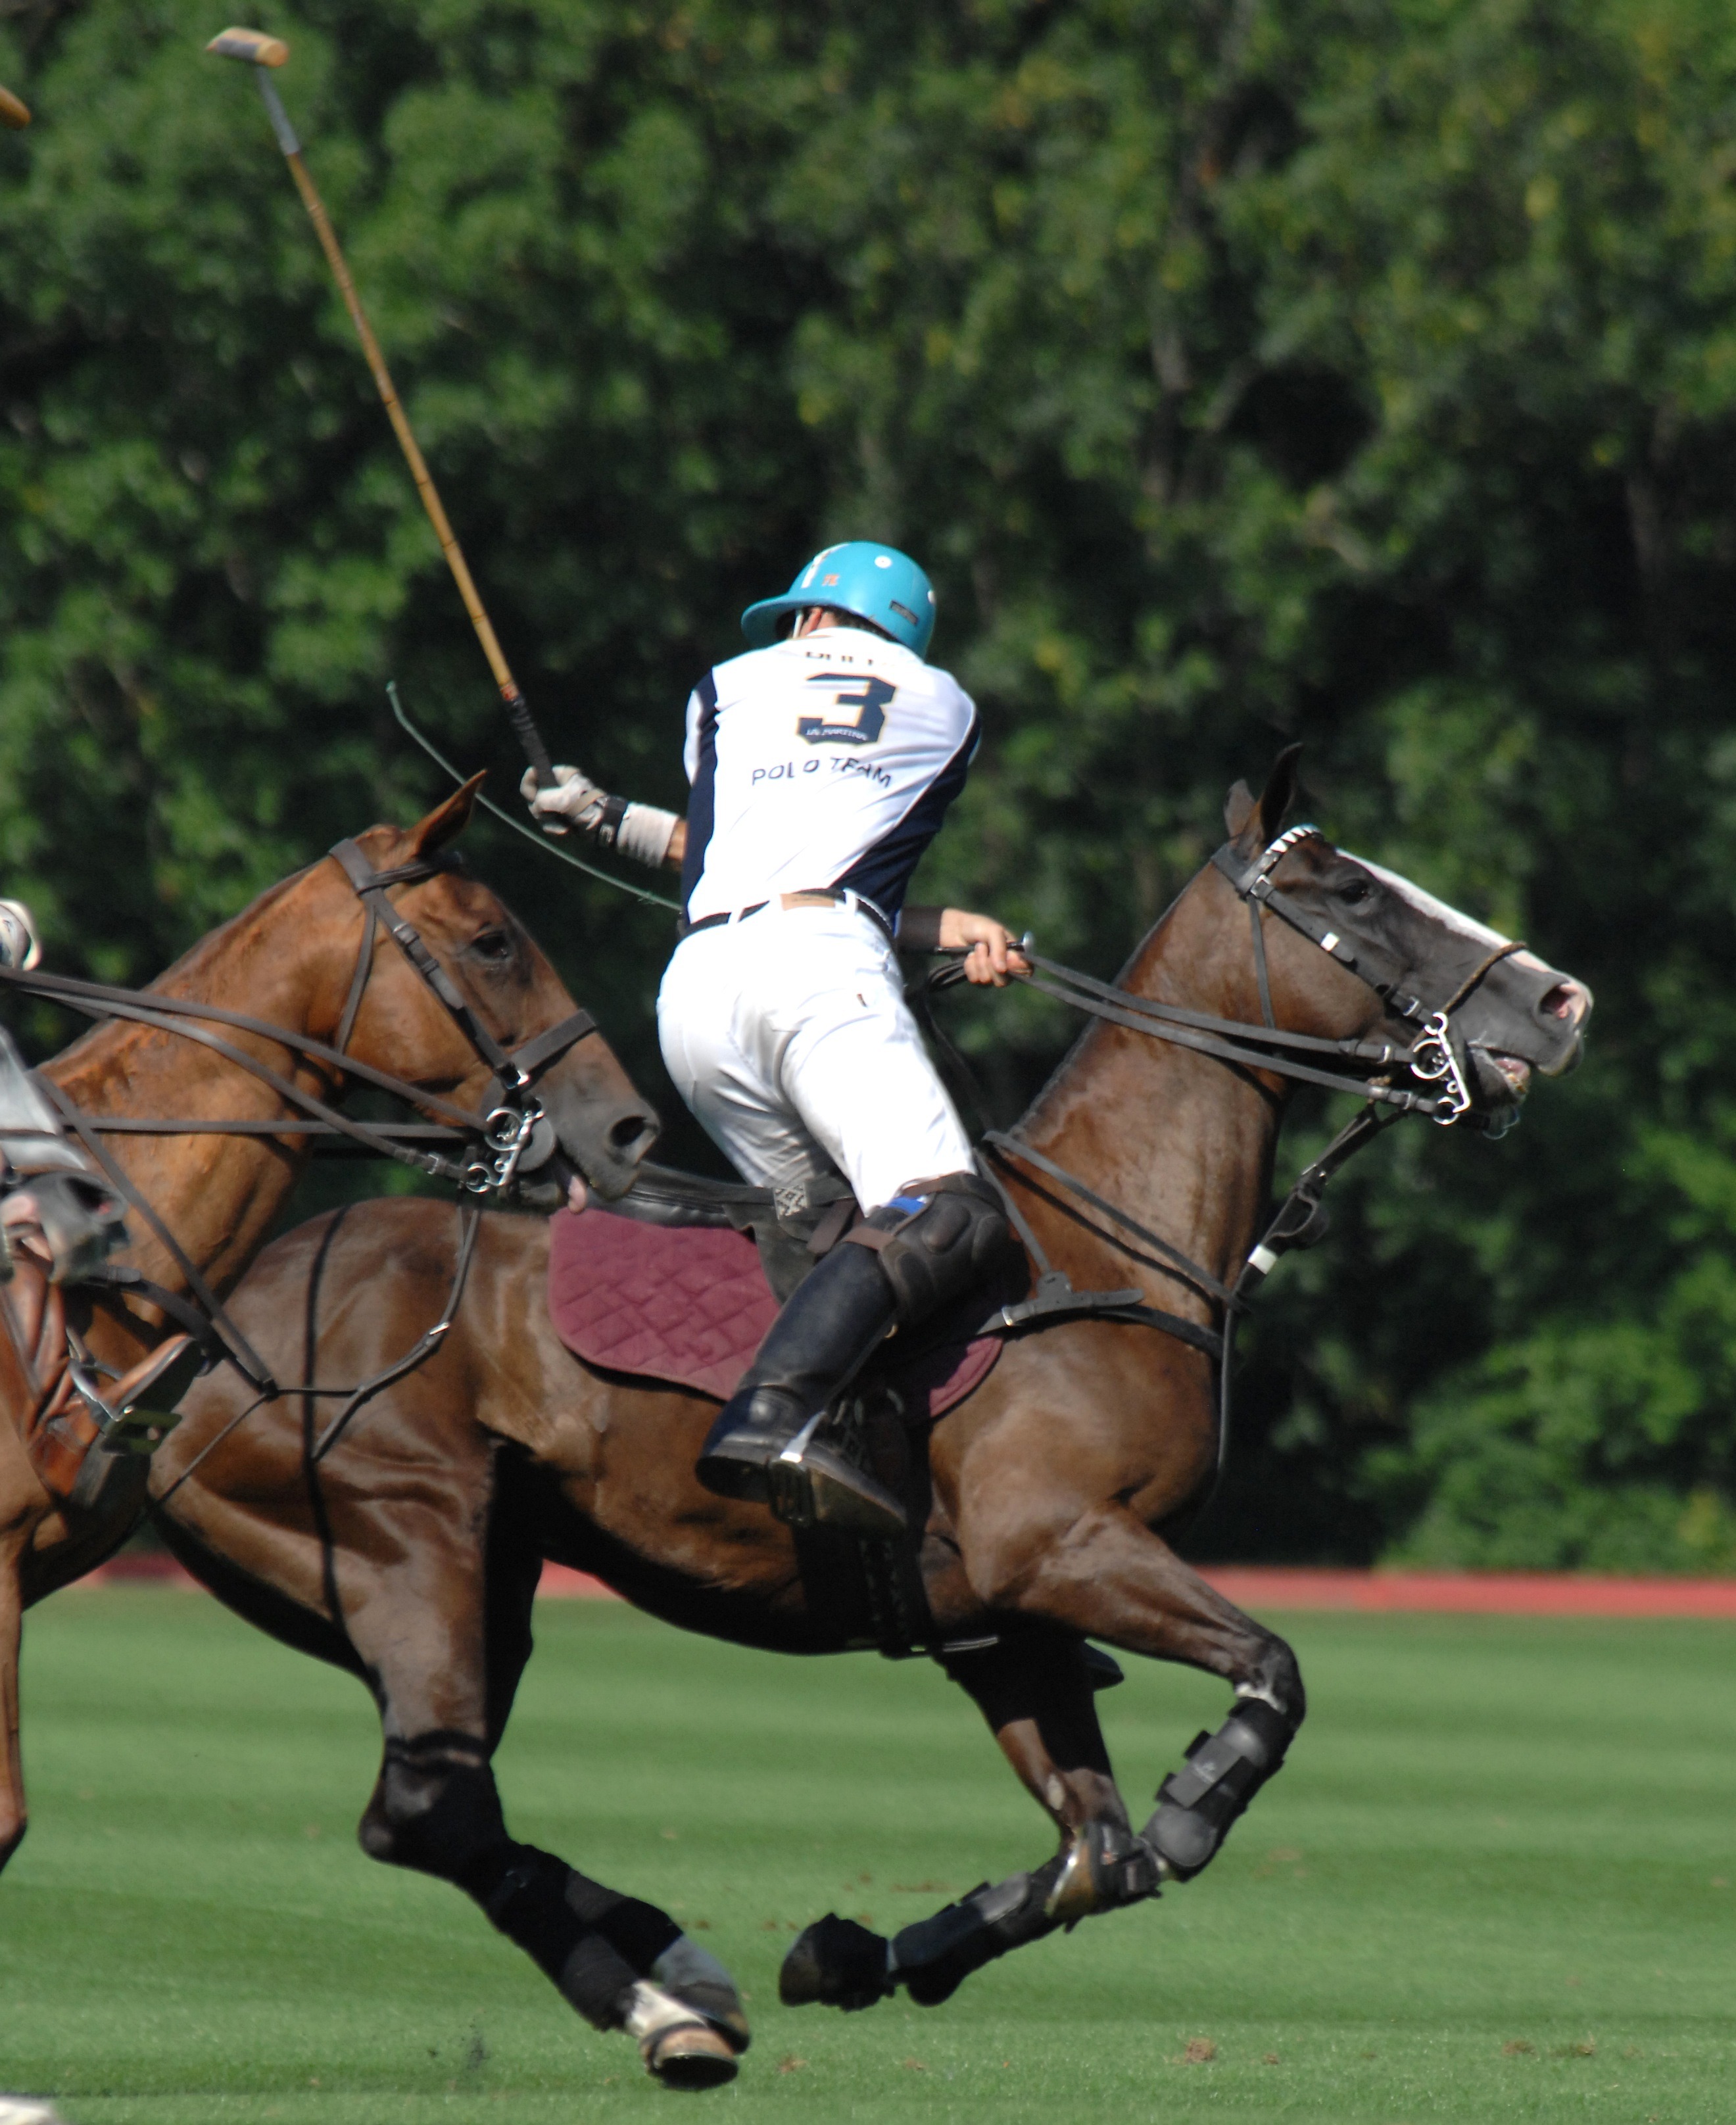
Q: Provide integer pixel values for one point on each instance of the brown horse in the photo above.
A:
(412, 1554)
(295, 958)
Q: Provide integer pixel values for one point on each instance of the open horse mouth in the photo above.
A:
(1503, 1078)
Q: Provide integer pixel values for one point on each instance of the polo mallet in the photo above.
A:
(14, 112)
(262, 53)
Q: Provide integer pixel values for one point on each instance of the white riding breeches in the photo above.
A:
(787, 1034)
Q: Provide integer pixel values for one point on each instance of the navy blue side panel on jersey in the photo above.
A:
(882, 874)
(701, 804)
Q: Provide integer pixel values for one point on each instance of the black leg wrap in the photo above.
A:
(838, 1963)
(435, 1806)
(933, 1957)
(533, 1898)
(636, 1930)
(1197, 1804)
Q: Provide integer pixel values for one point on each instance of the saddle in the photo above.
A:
(636, 1289)
(670, 1284)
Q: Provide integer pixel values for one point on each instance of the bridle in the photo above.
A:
(507, 1128)
(1431, 1057)
(1366, 1068)
(495, 1145)
(499, 1137)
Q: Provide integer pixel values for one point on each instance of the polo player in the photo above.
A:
(822, 764)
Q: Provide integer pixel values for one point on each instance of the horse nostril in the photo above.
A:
(629, 1130)
(1566, 1000)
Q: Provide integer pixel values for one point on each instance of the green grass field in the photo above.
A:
(1494, 1882)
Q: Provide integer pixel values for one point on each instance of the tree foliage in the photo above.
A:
(1243, 372)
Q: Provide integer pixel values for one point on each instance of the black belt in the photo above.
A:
(685, 928)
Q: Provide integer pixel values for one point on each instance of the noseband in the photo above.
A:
(1432, 1058)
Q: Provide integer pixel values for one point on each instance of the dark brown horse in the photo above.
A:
(412, 1554)
(292, 959)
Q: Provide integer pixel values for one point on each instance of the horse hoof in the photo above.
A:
(26, 2110)
(692, 2054)
(835, 1963)
(678, 2048)
(694, 1978)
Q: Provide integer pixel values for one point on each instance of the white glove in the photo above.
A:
(640, 831)
(20, 946)
(574, 800)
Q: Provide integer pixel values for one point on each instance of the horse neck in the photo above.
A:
(1181, 1142)
(217, 1195)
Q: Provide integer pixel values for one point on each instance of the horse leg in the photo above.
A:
(620, 1963)
(1104, 1573)
(13, 1816)
(1036, 1690)
(24, 1505)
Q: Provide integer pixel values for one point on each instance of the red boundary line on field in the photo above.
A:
(1257, 1586)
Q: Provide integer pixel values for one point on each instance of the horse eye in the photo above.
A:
(1358, 890)
(493, 945)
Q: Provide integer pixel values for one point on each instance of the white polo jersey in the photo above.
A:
(825, 762)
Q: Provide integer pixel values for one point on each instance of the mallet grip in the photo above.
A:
(530, 737)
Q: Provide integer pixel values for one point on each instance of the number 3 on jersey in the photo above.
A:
(868, 697)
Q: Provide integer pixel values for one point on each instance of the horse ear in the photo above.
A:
(446, 821)
(1278, 795)
(1238, 809)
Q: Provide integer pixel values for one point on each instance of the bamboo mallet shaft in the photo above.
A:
(263, 52)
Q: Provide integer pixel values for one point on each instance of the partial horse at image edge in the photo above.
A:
(295, 955)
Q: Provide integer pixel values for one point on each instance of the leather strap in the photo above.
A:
(240, 1353)
(358, 982)
(537, 1052)
(1007, 1147)
(98, 1000)
(370, 888)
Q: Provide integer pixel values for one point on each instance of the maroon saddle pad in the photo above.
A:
(689, 1304)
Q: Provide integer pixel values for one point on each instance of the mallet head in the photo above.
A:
(14, 112)
(253, 45)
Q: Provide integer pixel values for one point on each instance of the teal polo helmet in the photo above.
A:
(874, 582)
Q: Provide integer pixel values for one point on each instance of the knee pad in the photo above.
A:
(1197, 1804)
(935, 1239)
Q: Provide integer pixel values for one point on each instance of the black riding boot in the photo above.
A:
(761, 1446)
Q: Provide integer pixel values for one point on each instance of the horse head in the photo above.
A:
(400, 1020)
(1360, 952)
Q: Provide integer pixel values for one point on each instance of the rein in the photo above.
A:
(499, 1136)
(469, 1225)
(1300, 1219)
(498, 1139)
